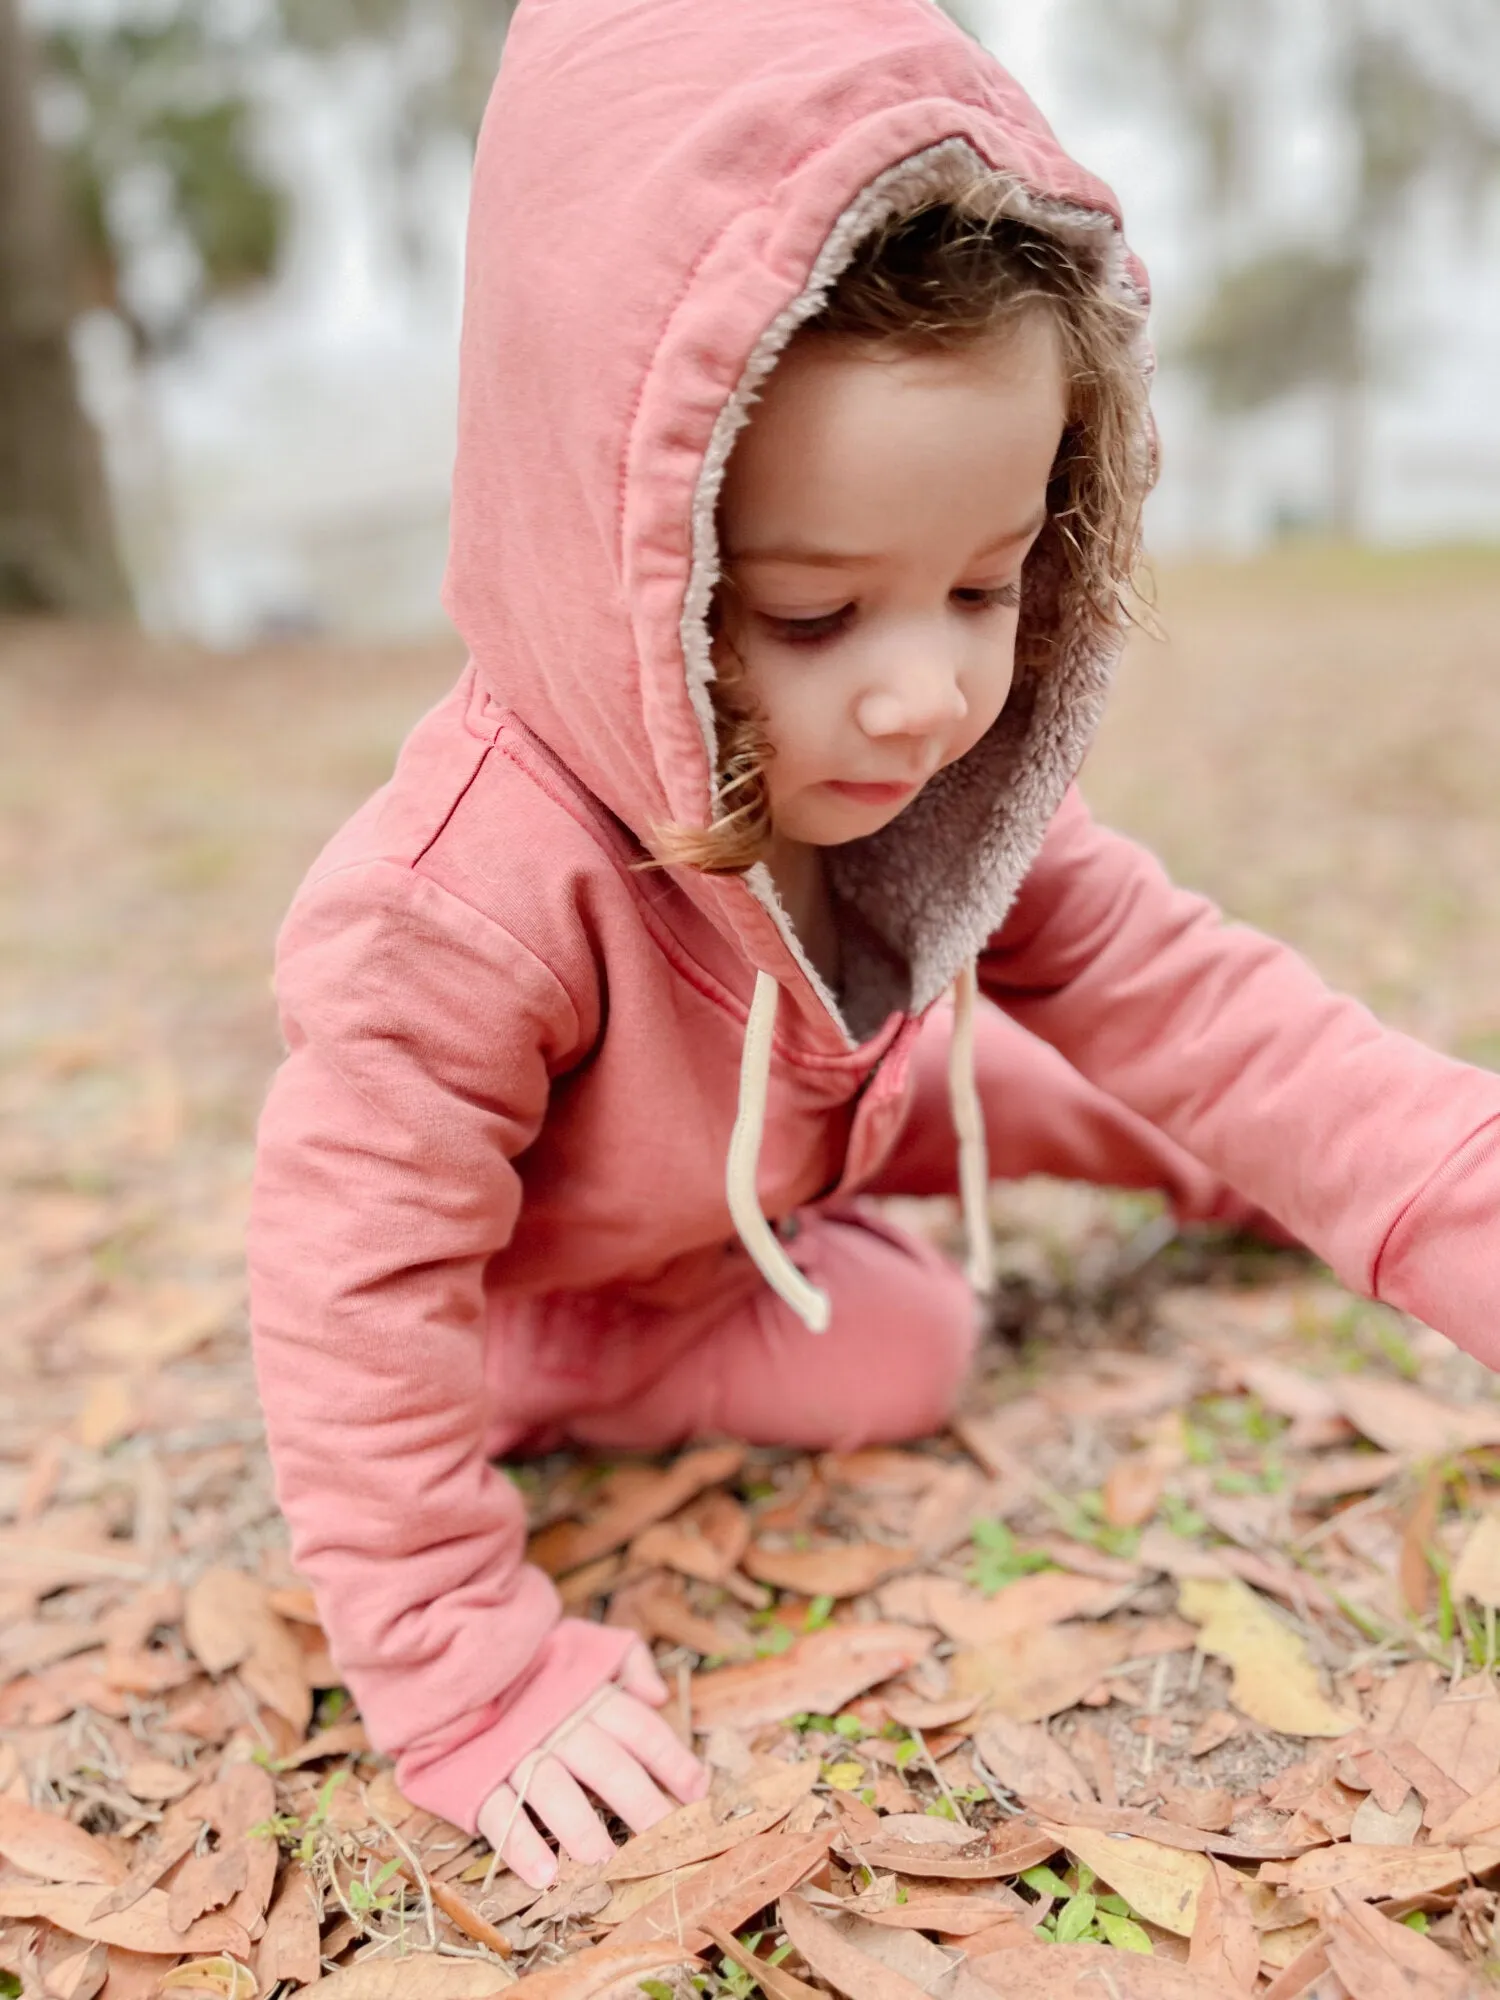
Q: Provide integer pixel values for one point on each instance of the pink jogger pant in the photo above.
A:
(904, 1324)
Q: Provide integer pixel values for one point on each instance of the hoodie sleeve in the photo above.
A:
(1381, 1155)
(422, 1041)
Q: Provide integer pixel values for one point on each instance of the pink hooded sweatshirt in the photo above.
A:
(516, 1059)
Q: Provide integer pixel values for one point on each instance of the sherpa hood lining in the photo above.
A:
(938, 881)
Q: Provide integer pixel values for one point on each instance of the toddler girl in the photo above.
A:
(803, 444)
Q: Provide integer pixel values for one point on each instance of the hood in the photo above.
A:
(664, 190)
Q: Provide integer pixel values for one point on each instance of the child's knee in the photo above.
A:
(906, 1324)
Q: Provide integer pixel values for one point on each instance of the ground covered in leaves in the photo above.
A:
(1170, 1671)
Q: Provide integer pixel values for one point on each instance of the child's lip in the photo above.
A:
(872, 795)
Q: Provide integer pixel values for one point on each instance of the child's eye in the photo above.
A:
(808, 631)
(1005, 596)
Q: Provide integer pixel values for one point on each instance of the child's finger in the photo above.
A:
(649, 1738)
(600, 1761)
(516, 1840)
(558, 1800)
(638, 1676)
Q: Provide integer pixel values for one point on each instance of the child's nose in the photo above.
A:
(919, 696)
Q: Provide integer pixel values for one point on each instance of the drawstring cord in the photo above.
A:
(968, 1119)
(811, 1305)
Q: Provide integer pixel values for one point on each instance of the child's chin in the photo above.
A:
(835, 822)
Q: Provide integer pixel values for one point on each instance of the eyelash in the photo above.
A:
(814, 631)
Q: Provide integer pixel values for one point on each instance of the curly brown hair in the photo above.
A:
(943, 277)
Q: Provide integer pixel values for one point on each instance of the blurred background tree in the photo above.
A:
(166, 123)
(262, 207)
(1416, 107)
(57, 545)
(166, 200)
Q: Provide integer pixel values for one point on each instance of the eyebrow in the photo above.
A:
(816, 558)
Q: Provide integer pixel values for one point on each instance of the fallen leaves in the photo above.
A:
(1275, 1683)
(1476, 1574)
(420, 1976)
(1010, 1848)
(1025, 1759)
(843, 1569)
(52, 1848)
(1161, 1884)
(728, 1889)
(1030, 1675)
(1381, 1960)
(571, 1544)
(891, 1785)
(820, 1672)
(146, 1926)
(228, 1621)
(836, 1958)
(710, 1826)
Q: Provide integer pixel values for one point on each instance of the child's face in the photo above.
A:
(876, 514)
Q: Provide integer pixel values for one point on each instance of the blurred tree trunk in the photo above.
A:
(57, 544)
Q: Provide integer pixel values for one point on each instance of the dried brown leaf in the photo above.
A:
(154, 1779)
(1407, 1421)
(1476, 1574)
(206, 1882)
(929, 1967)
(840, 1569)
(52, 1848)
(835, 1958)
(1337, 1474)
(1026, 1759)
(1089, 1972)
(1376, 1874)
(146, 1926)
(949, 1911)
(289, 1947)
(1133, 1489)
(728, 1817)
(729, 1888)
(1225, 1946)
(1215, 1729)
(222, 1978)
(176, 1836)
(774, 1980)
(1462, 1733)
(421, 1975)
(1378, 1959)
(571, 1544)
(1413, 1569)
(1031, 1675)
(79, 1975)
(1477, 1818)
(820, 1673)
(1010, 1847)
(706, 1540)
(914, 1713)
(1373, 1826)
(221, 1617)
(1275, 1682)
(1160, 1883)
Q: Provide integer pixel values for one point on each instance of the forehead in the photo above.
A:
(848, 442)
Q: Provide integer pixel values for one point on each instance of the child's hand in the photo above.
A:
(617, 1751)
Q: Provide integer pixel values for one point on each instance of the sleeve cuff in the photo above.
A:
(1441, 1261)
(454, 1775)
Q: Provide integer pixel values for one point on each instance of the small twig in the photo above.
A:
(1000, 1795)
(943, 1786)
(1153, 1708)
(414, 1870)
